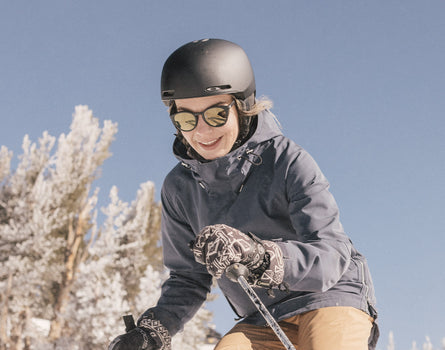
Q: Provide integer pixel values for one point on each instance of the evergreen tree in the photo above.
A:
(427, 345)
(57, 263)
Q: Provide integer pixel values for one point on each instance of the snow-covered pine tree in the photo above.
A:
(427, 345)
(46, 215)
(57, 264)
(391, 345)
(108, 280)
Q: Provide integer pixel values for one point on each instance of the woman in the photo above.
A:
(244, 193)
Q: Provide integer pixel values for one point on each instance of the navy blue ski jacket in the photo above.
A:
(273, 188)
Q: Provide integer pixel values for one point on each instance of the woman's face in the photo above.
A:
(210, 142)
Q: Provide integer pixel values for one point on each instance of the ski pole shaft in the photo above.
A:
(237, 272)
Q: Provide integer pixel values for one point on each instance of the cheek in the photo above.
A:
(187, 136)
(234, 130)
(233, 137)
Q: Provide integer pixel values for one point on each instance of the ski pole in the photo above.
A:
(238, 273)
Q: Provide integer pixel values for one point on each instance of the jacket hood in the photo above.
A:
(236, 164)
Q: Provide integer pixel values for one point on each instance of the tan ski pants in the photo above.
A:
(331, 328)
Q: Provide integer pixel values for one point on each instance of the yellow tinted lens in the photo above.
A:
(216, 116)
(185, 121)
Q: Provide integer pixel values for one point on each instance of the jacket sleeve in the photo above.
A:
(186, 289)
(321, 252)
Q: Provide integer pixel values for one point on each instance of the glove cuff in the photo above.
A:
(156, 330)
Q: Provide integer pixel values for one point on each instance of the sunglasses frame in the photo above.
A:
(226, 108)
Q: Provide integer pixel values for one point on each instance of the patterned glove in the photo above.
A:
(149, 335)
(274, 273)
(219, 246)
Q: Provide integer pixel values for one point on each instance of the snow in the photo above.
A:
(41, 326)
(207, 347)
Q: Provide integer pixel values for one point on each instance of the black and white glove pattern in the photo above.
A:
(150, 334)
(219, 246)
(156, 331)
(274, 273)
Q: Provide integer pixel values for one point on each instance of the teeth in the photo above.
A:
(209, 143)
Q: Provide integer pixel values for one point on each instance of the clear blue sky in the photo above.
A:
(359, 84)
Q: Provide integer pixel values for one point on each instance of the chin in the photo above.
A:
(211, 156)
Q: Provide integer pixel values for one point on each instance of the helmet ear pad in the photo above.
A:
(208, 67)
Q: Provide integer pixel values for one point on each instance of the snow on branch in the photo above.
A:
(5, 163)
(427, 345)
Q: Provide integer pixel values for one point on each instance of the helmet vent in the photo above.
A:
(218, 88)
(168, 93)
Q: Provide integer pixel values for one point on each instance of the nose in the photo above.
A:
(202, 126)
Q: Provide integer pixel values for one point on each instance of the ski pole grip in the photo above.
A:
(129, 323)
(234, 271)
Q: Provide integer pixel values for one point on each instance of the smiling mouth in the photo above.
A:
(210, 143)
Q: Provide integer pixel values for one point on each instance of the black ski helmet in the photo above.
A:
(205, 68)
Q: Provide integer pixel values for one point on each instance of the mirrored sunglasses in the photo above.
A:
(214, 116)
